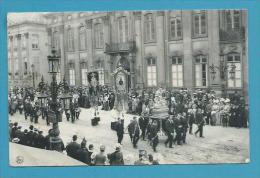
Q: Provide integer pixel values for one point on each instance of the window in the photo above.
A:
(234, 65)
(233, 19)
(70, 40)
(15, 42)
(151, 72)
(122, 29)
(199, 23)
(175, 28)
(84, 74)
(72, 76)
(23, 38)
(201, 71)
(101, 74)
(82, 38)
(149, 28)
(98, 31)
(25, 66)
(56, 40)
(16, 65)
(35, 41)
(177, 72)
(58, 76)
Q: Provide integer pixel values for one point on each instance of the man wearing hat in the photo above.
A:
(83, 152)
(41, 142)
(19, 133)
(14, 128)
(30, 136)
(120, 131)
(142, 158)
(116, 158)
(73, 147)
(169, 130)
(100, 158)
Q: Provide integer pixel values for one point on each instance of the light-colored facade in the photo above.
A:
(27, 53)
(173, 49)
(158, 48)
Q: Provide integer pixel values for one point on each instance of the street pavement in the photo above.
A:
(220, 145)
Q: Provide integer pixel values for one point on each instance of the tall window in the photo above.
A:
(101, 74)
(234, 80)
(58, 76)
(25, 65)
(84, 74)
(175, 28)
(82, 38)
(149, 28)
(151, 72)
(201, 71)
(199, 23)
(233, 19)
(24, 42)
(70, 39)
(56, 40)
(99, 38)
(177, 72)
(16, 65)
(72, 74)
(35, 41)
(123, 29)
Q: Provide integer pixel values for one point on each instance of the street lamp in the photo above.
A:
(42, 88)
(54, 114)
(223, 68)
(42, 96)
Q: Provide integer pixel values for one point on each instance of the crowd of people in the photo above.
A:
(82, 152)
(184, 109)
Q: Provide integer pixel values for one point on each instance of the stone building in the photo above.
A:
(27, 50)
(198, 49)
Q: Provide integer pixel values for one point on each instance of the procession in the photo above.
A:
(187, 114)
(128, 88)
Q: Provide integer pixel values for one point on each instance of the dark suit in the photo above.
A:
(72, 149)
(169, 130)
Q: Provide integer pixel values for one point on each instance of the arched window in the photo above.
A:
(123, 29)
(151, 72)
(101, 75)
(82, 38)
(72, 74)
(149, 28)
(70, 38)
(84, 73)
(201, 71)
(233, 61)
(177, 71)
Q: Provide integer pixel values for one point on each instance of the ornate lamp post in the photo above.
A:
(42, 96)
(55, 110)
(223, 69)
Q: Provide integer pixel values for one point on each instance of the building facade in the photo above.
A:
(27, 49)
(201, 49)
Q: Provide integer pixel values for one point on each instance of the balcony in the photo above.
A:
(232, 35)
(125, 47)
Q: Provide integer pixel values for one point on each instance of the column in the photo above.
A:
(90, 41)
(138, 41)
(214, 48)
(106, 36)
(187, 50)
(161, 71)
(62, 52)
(132, 69)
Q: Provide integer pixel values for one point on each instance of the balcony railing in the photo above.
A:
(120, 47)
(232, 35)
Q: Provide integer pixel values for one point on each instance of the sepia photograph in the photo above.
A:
(147, 87)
